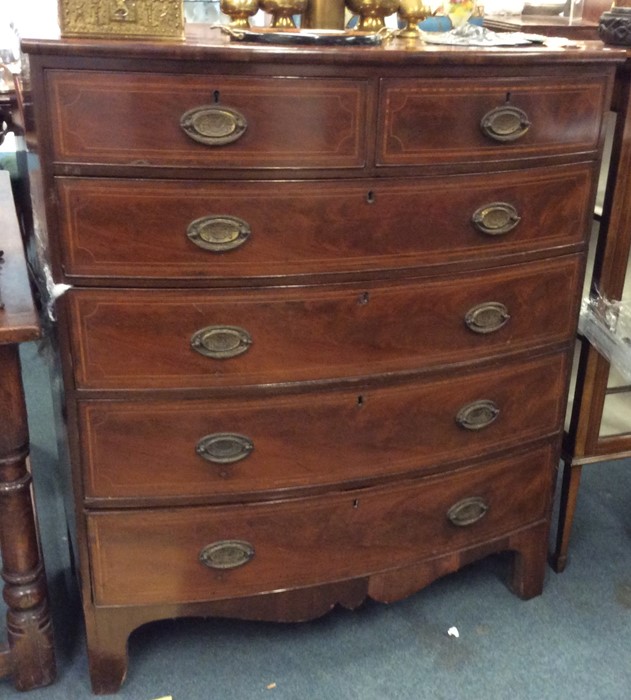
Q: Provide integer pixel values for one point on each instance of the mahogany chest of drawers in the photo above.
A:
(317, 339)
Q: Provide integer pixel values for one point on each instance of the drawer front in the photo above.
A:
(206, 121)
(153, 556)
(136, 339)
(216, 449)
(432, 121)
(171, 229)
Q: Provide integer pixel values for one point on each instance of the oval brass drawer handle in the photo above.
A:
(224, 448)
(227, 554)
(505, 123)
(218, 233)
(496, 218)
(477, 415)
(467, 511)
(487, 317)
(221, 342)
(214, 125)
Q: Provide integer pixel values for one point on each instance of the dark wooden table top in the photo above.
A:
(548, 25)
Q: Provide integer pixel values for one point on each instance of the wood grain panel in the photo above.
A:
(134, 119)
(137, 228)
(147, 449)
(425, 122)
(124, 339)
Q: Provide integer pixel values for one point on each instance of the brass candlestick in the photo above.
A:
(324, 14)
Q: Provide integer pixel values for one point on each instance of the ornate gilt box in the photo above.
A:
(158, 19)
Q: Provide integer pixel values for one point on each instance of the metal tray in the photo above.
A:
(322, 37)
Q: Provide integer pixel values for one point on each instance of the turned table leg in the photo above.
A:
(29, 658)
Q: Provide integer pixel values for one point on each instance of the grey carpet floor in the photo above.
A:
(574, 641)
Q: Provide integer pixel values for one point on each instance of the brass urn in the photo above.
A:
(412, 12)
(239, 11)
(372, 13)
(283, 11)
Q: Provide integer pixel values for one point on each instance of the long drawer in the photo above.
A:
(169, 450)
(215, 230)
(156, 556)
(135, 339)
(209, 121)
(425, 122)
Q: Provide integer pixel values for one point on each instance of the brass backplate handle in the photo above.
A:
(214, 125)
(477, 415)
(468, 511)
(221, 342)
(505, 123)
(218, 233)
(496, 218)
(487, 317)
(227, 554)
(224, 448)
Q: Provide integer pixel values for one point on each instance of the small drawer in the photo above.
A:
(207, 553)
(225, 230)
(205, 121)
(143, 339)
(429, 122)
(164, 451)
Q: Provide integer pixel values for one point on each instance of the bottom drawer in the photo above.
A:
(155, 556)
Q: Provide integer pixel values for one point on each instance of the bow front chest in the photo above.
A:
(321, 312)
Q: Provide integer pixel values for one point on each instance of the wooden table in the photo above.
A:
(579, 30)
(29, 655)
(582, 29)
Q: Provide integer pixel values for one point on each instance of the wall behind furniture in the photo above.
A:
(30, 16)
